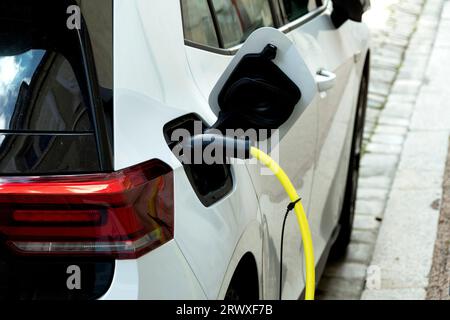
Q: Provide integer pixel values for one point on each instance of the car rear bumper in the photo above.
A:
(163, 274)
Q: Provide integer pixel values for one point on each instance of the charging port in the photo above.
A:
(211, 183)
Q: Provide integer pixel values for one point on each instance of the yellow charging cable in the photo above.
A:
(301, 219)
(237, 146)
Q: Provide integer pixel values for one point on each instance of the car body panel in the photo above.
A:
(170, 277)
(139, 136)
(157, 74)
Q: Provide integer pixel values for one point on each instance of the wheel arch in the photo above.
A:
(245, 281)
(246, 261)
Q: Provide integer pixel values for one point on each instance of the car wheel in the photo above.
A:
(244, 285)
(348, 210)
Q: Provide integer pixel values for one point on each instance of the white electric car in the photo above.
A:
(94, 203)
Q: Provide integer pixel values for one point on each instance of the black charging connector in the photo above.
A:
(226, 147)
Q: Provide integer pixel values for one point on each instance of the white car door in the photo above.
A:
(337, 53)
(297, 147)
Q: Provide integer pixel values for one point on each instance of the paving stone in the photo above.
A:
(402, 98)
(427, 22)
(403, 16)
(366, 223)
(403, 43)
(419, 48)
(373, 208)
(378, 165)
(364, 236)
(436, 75)
(359, 253)
(332, 296)
(444, 39)
(380, 88)
(402, 279)
(384, 129)
(430, 108)
(445, 12)
(389, 139)
(376, 98)
(385, 62)
(370, 126)
(372, 115)
(393, 48)
(347, 270)
(426, 150)
(399, 110)
(426, 34)
(412, 71)
(388, 53)
(405, 242)
(372, 194)
(392, 121)
(419, 39)
(410, 87)
(382, 169)
(413, 179)
(341, 288)
(377, 105)
(394, 294)
(384, 75)
(380, 148)
(379, 182)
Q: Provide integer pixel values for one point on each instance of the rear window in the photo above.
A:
(39, 91)
(55, 85)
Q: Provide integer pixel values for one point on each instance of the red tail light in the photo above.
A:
(123, 214)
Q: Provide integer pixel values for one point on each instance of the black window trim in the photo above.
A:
(103, 140)
(285, 28)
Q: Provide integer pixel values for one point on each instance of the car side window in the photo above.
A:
(295, 9)
(237, 19)
(228, 23)
(198, 23)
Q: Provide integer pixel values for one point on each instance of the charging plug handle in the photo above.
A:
(232, 147)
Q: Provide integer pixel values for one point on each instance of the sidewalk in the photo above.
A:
(402, 169)
(404, 250)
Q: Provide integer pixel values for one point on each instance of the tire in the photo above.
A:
(241, 292)
(348, 210)
(244, 285)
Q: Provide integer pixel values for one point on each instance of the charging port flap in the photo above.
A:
(211, 183)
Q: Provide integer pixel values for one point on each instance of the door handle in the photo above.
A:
(325, 80)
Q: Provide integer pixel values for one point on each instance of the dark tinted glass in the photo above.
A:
(237, 19)
(198, 24)
(39, 91)
(51, 72)
(295, 9)
(42, 81)
(49, 154)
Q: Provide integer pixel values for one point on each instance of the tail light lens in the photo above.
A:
(123, 214)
